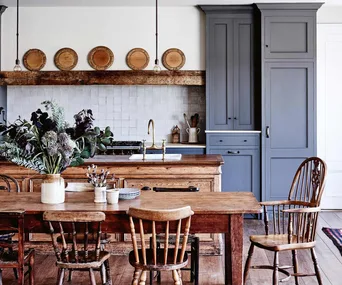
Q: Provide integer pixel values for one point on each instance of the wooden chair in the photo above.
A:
(159, 259)
(291, 225)
(9, 184)
(13, 222)
(75, 258)
(193, 240)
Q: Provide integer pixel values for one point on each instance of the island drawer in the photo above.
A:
(204, 185)
(234, 139)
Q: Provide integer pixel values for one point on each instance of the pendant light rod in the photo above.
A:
(156, 60)
(17, 59)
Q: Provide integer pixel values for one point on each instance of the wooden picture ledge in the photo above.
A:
(111, 77)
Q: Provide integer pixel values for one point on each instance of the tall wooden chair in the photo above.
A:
(9, 184)
(170, 257)
(13, 222)
(291, 224)
(78, 257)
(193, 240)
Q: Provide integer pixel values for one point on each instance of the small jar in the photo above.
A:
(100, 194)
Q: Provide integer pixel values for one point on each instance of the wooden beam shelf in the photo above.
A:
(111, 77)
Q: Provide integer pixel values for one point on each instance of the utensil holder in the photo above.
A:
(193, 134)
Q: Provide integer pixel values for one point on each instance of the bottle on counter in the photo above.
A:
(176, 134)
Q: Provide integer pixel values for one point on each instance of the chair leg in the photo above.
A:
(103, 274)
(0, 276)
(196, 262)
(276, 268)
(143, 277)
(31, 270)
(176, 278)
(108, 276)
(70, 275)
(21, 276)
(136, 275)
(92, 277)
(60, 277)
(295, 265)
(314, 259)
(15, 271)
(248, 263)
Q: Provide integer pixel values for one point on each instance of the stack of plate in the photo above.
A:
(128, 193)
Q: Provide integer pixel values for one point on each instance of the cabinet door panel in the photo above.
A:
(243, 79)
(289, 114)
(241, 170)
(220, 74)
(289, 37)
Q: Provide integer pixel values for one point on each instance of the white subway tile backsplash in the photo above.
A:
(126, 109)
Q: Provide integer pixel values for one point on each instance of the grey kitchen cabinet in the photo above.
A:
(229, 72)
(241, 155)
(288, 88)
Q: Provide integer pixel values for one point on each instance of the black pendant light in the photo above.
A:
(156, 67)
(17, 66)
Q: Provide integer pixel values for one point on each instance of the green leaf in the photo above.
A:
(102, 147)
(107, 133)
(106, 141)
(77, 162)
(85, 154)
(97, 130)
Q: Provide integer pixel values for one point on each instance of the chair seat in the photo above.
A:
(278, 242)
(90, 262)
(160, 266)
(92, 238)
(12, 257)
(6, 236)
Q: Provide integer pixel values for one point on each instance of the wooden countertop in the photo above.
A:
(201, 202)
(187, 159)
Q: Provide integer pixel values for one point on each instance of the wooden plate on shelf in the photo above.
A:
(173, 59)
(34, 59)
(66, 59)
(137, 59)
(100, 58)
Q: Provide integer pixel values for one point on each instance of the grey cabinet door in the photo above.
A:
(241, 170)
(289, 124)
(220, 73)
(289, 37)
(243, 116)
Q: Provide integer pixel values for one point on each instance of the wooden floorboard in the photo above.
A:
(211, 273)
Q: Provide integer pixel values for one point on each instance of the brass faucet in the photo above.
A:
(153, 146)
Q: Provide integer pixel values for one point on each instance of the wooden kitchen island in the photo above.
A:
(203, 171)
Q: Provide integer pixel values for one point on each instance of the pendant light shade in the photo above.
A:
(156, 67)
(17, 66)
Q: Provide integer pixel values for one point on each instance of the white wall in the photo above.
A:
(119, 28)
(329, 101)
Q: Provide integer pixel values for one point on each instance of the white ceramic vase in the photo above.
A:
(52, 189)
(100, 194)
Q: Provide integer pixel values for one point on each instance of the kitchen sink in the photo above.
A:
(156, 156)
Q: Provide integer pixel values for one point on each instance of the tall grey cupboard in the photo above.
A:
(261, 76)
(288, 88)
(230, 96)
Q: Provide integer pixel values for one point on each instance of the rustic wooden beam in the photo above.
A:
(112, 77)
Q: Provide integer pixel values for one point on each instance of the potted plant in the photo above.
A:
(48, 145)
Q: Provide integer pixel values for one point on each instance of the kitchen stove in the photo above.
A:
(124, 148)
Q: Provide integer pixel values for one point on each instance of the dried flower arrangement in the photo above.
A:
(97, 179)
(47, 144)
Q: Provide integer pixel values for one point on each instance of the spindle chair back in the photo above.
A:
(168, 258)
(78, 255)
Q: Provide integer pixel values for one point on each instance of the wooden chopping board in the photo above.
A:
(34, 59)
(100, 58)
(66, 59)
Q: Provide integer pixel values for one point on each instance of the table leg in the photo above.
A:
(234, 251)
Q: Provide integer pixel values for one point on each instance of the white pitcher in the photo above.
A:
(193, 134)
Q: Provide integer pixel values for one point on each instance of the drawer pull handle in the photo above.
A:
(146, 188)
(267, 132)
(233, 152)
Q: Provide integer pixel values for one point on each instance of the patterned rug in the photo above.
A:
(336, 236)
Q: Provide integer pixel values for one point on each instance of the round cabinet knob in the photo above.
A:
(220, 140)
(229, 118)
(244, 140)
(235, 118)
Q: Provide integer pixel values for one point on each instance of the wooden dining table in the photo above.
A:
(214, 212)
